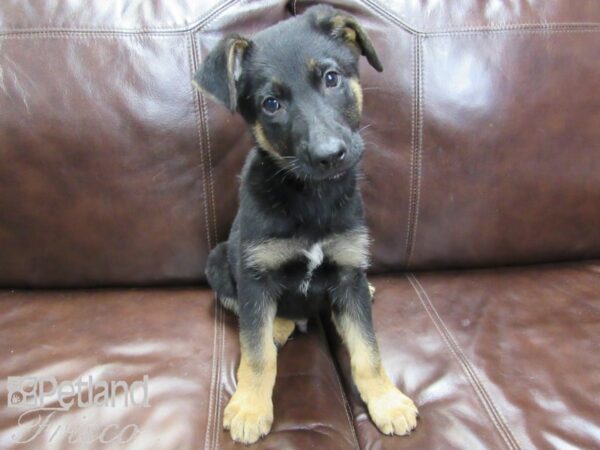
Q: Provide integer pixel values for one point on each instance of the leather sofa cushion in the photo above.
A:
(493, 358)
(482, 138)
(488, 366)
(189, 350)
(113, 171)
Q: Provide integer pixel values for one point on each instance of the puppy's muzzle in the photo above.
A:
(328, 155)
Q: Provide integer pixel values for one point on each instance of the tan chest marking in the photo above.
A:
(348, 249)
(272, 253)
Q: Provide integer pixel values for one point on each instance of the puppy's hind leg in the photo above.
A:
(372, 292)
(219, 277)
(282, 330)
(218, 274)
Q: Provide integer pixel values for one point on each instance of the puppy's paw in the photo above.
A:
(248, 418)
(393, 413)
(372, 292)
(282, 330)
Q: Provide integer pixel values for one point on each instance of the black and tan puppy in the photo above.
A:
(299, 244)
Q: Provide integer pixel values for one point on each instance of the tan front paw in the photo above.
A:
(247, 419)
(393, 413)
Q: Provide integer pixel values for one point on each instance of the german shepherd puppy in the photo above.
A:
(299, 243)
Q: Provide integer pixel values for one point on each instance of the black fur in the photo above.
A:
(298, 244)
(286, 191)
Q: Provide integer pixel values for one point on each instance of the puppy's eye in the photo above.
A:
(332, 79)
(271, 105)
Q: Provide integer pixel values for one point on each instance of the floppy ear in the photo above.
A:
(342, 26)
(221, 69)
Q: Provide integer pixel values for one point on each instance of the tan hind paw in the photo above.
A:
(282, 330)
(372, 292)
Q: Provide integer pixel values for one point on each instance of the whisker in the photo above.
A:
(374, 88)
(361, 129)
(282, 169)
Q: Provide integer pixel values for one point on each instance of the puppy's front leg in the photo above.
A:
(391, 410)
(249, 414)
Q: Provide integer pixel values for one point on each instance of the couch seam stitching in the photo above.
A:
(375, 7)
(514, 31)
(207, 438)
(348, 413)
(484, 397)
(198, 114)
(89, 36)
(412, 148)
(141, 36)
(210, 170)
(220, 377)
(196, 25)
(339, 385)
(383, 12)
(419, 168)
(416, 145)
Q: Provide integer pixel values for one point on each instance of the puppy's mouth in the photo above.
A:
(341, 173)
(310, 174)
(301, 168)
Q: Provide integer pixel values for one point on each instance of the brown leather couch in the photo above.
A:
(482, 186)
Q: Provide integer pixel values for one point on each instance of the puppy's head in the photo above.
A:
(296, 84)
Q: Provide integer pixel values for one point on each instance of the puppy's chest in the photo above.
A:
(348, 249)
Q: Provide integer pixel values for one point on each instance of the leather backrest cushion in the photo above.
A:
(483, 145)
(113, 170)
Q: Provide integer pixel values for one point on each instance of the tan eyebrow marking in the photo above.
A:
(357, 91)
(261, 138)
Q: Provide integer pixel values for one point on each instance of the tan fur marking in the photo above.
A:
(391, 410)
(339, 21)
(249, 414)
(233, 57)
(272, 253)
(234, 68)
(350, 35)
(350, 249)
(282, 330)
(263, 142)
(358, 94)
(197, 86)
(343, 27)
(230, 304)
(311, 64)
(372, 291)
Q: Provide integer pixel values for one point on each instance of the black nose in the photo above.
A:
(329, 154)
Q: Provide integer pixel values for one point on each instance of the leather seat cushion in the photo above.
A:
(189, 349)
(504, 358)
